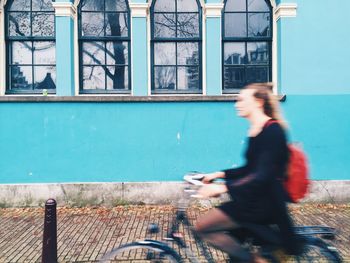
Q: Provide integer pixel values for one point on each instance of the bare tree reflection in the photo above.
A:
(111, 27)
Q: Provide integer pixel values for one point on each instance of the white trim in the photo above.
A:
(274, 65)
(149, 83)
(139, 9)
(64, 9)
(213, 10)
(2, 49)
(76, 52)
(204, 57)
(286, 10)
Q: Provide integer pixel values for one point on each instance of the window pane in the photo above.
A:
(43, 24)
(188, 78)
(257, 74)
(42, 5)
(93, 77)
(187, 25)
(45, 77)
(259, 25)
(20, 5)
(234, 77)
(19, 24)
(234, 53)
(92, 5)
(21, 52)
(187, 54)
(117, 78)
(164, 54)
(164, 78)
(21, 77)
(92, 24)
(258, 53)
(258, 5)
(235, 5)
(187, 6)
(93, 53)
(235, 25)
(164, 6)
(116, 24)
(117, 53)
(164, 25)
(116, 5)
(44, 52)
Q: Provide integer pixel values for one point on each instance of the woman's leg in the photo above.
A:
(212, 226)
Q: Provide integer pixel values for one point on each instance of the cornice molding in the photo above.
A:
(213, 9)
(2, 4)
(286, 10)
(64, 9)
(139, 9)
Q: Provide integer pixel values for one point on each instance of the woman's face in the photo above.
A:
(246, 103)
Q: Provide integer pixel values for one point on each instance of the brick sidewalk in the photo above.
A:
(85, 234)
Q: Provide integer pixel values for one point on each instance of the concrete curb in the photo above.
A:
(111, 194)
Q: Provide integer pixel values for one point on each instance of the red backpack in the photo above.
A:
(297, 181)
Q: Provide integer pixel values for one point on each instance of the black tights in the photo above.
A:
(213, 226)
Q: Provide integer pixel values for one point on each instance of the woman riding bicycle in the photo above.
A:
(256, 189)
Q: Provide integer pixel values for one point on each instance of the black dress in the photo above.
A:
(256, 188)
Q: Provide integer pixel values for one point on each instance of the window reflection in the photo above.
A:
(258, 6)
(165, 77)
(259, 25)
(105, 43)
(187, 25)
(247, 43)
(164, 25)
(31, 64)
(176, 45)
(258, 53)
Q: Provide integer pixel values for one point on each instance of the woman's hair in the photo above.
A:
(263, 91)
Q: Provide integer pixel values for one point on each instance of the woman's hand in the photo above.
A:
(212, 190)
(208, 178)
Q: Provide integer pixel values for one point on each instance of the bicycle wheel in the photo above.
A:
(317, 251)
(142, 252)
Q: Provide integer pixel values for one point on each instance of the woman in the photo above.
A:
(257, 193)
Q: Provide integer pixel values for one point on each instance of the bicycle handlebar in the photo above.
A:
(194, 178)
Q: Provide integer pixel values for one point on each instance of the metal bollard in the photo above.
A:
(49, 253)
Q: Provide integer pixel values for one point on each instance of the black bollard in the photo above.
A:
(49, 253)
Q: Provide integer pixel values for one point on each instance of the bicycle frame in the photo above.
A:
(181, 218)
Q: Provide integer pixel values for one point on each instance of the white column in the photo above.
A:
(2, 51)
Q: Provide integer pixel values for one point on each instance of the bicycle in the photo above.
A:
(264, 238)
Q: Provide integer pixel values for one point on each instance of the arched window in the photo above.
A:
(176, 46)
(104, 44)
(30, 44)
(247, 43)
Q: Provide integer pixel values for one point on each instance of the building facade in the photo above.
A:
(143, 91)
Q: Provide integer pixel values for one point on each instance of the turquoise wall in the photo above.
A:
(103, 142)
(94, 142)
(313, 56)
(153, 141)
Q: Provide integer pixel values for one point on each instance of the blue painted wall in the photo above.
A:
(95, 142)
(70, 142)
(314, 44)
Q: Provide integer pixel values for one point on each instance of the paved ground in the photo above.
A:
(85, 234)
